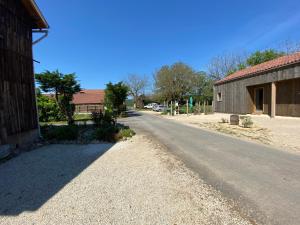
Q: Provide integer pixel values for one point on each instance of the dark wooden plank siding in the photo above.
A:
(287, 98)
(16, 69)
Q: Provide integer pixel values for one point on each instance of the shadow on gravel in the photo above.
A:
(30, 180)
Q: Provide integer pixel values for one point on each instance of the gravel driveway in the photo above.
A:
(132, 182)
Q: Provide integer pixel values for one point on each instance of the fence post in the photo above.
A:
(187, 107)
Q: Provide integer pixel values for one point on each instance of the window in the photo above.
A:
(219, 97)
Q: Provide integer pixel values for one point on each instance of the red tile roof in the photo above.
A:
(264, 67)
(89, 97)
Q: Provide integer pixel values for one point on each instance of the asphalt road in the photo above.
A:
(263, 181)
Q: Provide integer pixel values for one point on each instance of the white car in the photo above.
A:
(160, 108)
(150, 106)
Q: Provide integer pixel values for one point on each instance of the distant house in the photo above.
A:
(271, 88)
(87, 101)
(18, 112)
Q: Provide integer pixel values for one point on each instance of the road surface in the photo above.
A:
(263, 181)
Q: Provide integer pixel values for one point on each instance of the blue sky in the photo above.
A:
(105, 40)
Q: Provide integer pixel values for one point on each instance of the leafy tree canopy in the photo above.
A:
(175, 81)
(64, 86)
(259, 57)
(115, 96)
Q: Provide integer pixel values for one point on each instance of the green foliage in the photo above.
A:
(259, 57)
(247, 122)
(115, 96)
(126, 133)
(203, 87)
(64, 86)
(174, 82)
(101, 119)
(106, 133)
(60, 133)
(48, 109)
(224, 120)
(82, 117)
(113, 133)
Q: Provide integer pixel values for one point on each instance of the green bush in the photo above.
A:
(224, 120)
(126, 133)
(113, 133)
(60, 133)
(101, 119)
(106, 133)
(97, 118)
(48, 109)
(247, 122)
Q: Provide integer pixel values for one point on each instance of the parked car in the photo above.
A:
(150, 106)
(160, 108)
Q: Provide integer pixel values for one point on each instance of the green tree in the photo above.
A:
(259, 57)
(174, 82)
(115, 97)
(64, 86)
(48, 109)
(203, 87)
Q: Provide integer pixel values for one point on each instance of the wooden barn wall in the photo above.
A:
(288, 98)
(266, 101)
(236, 97)
(17, 94)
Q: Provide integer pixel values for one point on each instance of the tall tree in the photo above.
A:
(259, 57)
(174, 82)
(64, 87)
(137, 85)
(203, 87)
(115, 96)
(226, 64)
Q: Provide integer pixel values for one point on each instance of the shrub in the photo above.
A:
(101, 119)
(247, 122)
(126, 133)
(113, 133)
(224, 120)
(97, 118)
(106, 133)
(48, 109)
(60, 133)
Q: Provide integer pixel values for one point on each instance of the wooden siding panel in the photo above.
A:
(18, 106)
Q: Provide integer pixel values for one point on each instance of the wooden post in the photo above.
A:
(187, 107)
(204, 109)
(273, 99)
(171, 108)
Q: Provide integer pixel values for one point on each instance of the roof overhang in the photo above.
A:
(36, 14)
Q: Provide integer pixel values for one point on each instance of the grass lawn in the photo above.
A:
(77, 117)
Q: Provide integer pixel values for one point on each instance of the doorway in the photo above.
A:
(259, 100)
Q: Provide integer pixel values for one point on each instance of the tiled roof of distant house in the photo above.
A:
(264, 67)
(89, 97)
